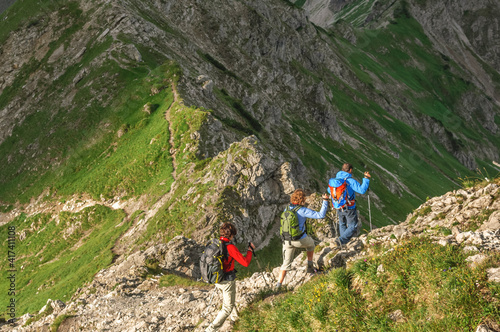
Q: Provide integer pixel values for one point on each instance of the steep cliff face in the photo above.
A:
(469, 33)
(239, 61)
(248, 78)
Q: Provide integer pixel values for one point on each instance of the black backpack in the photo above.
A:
(211, 261)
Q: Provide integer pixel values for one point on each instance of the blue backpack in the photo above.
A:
(338, 191)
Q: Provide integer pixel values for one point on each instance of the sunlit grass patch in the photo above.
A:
(59, 253)
(416, 285)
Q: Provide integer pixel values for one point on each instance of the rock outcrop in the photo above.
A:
(253, 183)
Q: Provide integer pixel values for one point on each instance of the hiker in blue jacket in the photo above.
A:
(347, 213)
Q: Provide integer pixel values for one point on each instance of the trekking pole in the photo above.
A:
(204, 314)
(369, 212)
(260, 267)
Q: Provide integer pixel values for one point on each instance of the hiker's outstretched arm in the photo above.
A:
(308, 213)
(359, 188)
(236, 254)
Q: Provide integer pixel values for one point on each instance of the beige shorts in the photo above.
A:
(289, 250)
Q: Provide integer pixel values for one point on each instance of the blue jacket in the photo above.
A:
(352, 186)
(303, 213)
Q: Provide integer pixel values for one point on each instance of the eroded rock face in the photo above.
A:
(253, 185)
(463, 30)
(262, 81)
(181, 256)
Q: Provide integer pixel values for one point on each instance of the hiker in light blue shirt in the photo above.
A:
(297, 200)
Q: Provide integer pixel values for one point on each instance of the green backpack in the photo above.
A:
(289, 229)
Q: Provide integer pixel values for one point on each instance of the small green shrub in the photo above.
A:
(439, 216)
(341, 278)
(445, 231)
(153, 268)
(425, 211)
(481, 178)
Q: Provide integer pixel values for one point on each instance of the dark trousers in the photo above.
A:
(348, 222)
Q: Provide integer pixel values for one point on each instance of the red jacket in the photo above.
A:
(234, 254)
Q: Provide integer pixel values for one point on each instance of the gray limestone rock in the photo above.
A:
(476, 259)
(494, 274)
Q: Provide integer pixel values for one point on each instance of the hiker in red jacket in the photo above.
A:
(228, 284)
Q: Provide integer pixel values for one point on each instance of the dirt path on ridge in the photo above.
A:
(170, 129)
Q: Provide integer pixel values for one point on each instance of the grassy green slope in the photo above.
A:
(433, 286)
(100, 148)
(138, 162)
(82, 152)
(59, 253)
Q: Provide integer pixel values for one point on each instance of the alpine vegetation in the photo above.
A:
(131, 131)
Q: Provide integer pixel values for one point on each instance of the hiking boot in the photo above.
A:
(311, 269)
(336, 244)
(358, 228)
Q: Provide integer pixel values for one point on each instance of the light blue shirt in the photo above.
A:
(303, 213)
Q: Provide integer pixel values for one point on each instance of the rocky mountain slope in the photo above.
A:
(463, 31)
(124, 124)
(127, 297)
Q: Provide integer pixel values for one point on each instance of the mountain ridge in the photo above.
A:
(267, 101)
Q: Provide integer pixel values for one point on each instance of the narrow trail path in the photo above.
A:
(171, 129)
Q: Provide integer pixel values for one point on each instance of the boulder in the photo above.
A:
(494, 274)
(493, 222)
